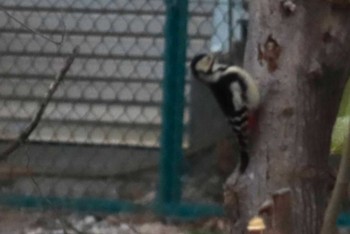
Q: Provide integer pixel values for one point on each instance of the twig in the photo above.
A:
(35, 121)
(339, 193)
(70, 226)
(133, 228)
(32, 29)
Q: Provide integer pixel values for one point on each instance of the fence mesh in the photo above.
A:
(99, 136)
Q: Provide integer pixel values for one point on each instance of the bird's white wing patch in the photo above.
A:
(237, 95)
(253, 96)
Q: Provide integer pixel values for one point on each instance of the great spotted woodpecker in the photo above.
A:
(236, 93)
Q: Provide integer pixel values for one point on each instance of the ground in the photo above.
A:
(50, 222)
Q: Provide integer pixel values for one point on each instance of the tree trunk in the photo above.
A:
(300, 52)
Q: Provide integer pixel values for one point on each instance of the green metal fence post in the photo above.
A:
(173, 101)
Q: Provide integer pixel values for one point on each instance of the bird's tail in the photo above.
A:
(239, 125)
(242, 140)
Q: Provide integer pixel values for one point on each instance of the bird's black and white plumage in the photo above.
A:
(235, 91)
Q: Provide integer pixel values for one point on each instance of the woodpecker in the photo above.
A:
(236, 93)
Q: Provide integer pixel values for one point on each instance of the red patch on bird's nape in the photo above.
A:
(253, 121)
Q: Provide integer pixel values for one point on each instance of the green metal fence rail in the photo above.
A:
(173, 104)
(169, 193)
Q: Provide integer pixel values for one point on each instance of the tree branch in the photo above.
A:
(32, 29)
(35, 121)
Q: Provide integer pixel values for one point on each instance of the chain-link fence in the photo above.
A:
(100, 135)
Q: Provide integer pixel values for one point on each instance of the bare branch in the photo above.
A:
(35, 121)
(32, 29)
(70, 226)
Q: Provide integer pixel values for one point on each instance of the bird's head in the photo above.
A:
(202, 66)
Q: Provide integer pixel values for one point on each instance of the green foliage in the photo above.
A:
(340, 128)
(339, 134)
(344, 109)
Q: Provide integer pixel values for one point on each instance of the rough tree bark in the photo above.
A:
(300, 52)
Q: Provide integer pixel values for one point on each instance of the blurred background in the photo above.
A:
(98, 147)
